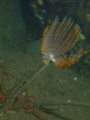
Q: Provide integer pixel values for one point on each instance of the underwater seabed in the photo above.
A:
(52, 83)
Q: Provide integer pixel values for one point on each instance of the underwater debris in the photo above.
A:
(40, 2)
(88, 17)
(82, 37)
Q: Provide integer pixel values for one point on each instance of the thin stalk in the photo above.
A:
(22, 86)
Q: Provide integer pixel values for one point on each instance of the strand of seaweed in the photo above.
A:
(58, 102)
